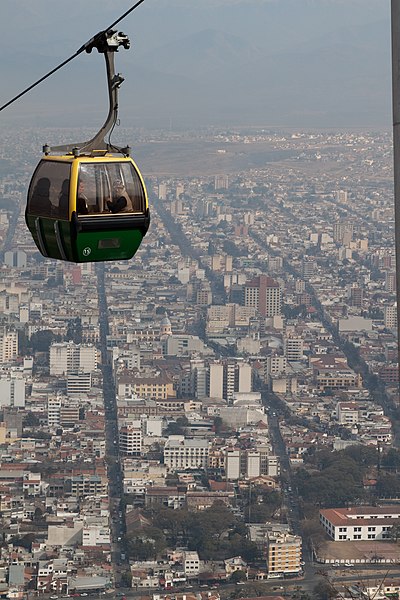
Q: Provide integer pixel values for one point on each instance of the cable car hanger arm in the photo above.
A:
(107, 43)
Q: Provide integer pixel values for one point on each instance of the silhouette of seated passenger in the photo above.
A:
(81, 200)
(63, 200)
(40, 200)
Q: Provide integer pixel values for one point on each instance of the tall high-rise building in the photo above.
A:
(300, 286)
(343, 232)
(54, 411)
(308, 267)
(250, 463)
(390, 316)
(216, 380)
(162, 191)
(390, 281)
(293, 348)
(78, 383)
(264, 294)
(356, 296)
(341, 196)
(130, 439)
(284, 553)
(69, 357)
(221, 182)
(8, 345)
(12, 391)
(228, 377)
(15, 258)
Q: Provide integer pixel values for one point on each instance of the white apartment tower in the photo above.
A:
(293, 348)
(227, 378)
(69, 357)
(182, 453)
(162, 191)
(341, 196)
(54, 412)
(8, 346)
(216, 380)
(130, 439)
(12, 391)
(251, 463)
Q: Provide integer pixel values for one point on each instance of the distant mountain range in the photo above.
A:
(296, 63)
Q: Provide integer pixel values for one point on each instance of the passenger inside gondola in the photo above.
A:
(63, 200)
(120, 200)
(82, 200)
(40, 201)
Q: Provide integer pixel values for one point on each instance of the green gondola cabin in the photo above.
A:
(87, 208)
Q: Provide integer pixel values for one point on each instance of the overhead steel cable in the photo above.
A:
(81, 49)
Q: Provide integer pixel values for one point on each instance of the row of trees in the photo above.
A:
(332, 479)
(214, 533)
(40, 341)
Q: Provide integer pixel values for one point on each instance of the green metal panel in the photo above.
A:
(107, 245)
(59, 241)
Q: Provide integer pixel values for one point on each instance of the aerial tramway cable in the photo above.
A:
(83, 48)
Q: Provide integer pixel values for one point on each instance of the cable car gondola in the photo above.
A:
(90, 203)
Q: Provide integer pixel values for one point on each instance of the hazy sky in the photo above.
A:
(322, 63)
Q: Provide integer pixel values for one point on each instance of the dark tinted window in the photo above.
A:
(49, 190)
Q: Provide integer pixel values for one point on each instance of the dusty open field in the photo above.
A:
(207, 158)
(360, 552)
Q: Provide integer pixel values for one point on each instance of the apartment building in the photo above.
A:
(264, 294)
(130, 440)
(185, 453)
(8, 346)
(12, 391)
(250, 463)
(283, 554)
(157, 387)
(69, 357)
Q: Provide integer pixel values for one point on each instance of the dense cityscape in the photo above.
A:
(218, 417)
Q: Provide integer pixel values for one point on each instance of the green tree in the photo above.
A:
(388, 486)
(218, 424)
(177, 427)
(324, 590)
(238, 576)
(391, 460)
(138, 549)
(74, 331)
(41, 340)
(30, 420)
(24, 541)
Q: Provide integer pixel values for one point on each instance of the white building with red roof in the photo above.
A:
(359, 523)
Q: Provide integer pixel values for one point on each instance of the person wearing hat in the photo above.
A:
(120, 201)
